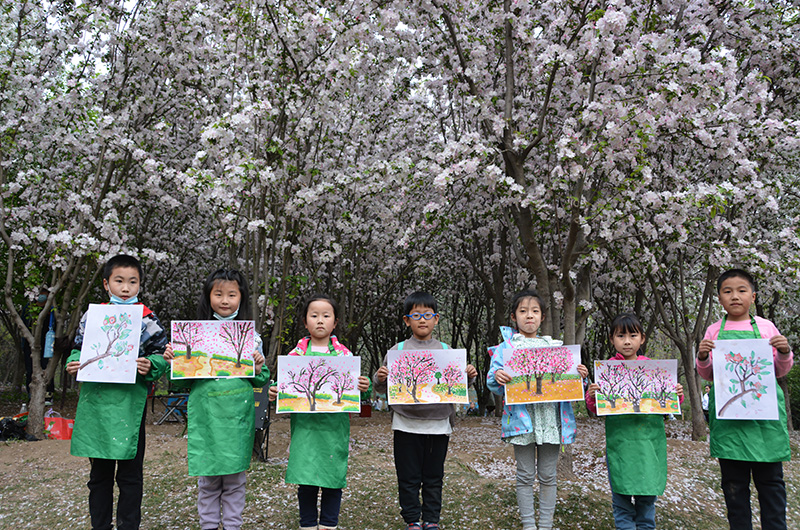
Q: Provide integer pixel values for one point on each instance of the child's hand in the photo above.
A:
(594, 387)
(72, 368)
(143, 365)
(258, 362)
(168, 353)
(273, 393)
(679, 390)
(382, 374)
(363, 383)
(471, 371)
(706, 345)
(583, 371)
(780, 343)
(502, 377)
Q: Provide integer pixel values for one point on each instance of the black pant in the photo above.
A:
(419, 462)
(768, 478)
(328, 507)
(130, 480)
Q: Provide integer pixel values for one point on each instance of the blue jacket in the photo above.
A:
(516, 419)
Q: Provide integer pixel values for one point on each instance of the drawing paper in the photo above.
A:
(427, 376)
(541, 375)
(213, 348)
(111, 343)
(314, 384)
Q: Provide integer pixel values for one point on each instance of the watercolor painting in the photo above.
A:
(318, 384)
(541, 375)
(111, 343)
(427, 376)
(213, 348)
(744, 380)
(637, 387)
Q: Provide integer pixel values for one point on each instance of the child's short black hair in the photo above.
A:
(122, 260)
(626, 323)
(204, 311)
(313, 298)
(420, 298)
(736, 273)
(528, 293)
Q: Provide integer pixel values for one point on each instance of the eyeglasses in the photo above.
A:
(426, 316)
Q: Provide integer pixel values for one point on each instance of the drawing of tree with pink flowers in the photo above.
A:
(188, 334)
(612, 382)
(237, 334)
(341, 383)
(532, 363)
(561, 362)
(412, 370)
(309, 380)
(747, 373)
(117, 329)
(452, 376)
(661, 385)
(636, 384)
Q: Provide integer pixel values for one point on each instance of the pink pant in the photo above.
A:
(222, 492)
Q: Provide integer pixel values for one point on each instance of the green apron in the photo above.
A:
(319, 447)
(636, 452)
(221, 424)
(749, 440)
(109, 414)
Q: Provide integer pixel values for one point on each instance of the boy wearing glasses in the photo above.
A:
(421, 431)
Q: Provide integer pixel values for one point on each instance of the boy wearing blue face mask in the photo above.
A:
(109, 422)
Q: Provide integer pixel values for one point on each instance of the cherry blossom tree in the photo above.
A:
(747, 373)
(117, 328)
(453, 375)
(533, 364)
(188, 334)
(236, 333)
(661, 385)
(636, 384)
(412, 370)
(612, 381)
(309, 380)
(341, 383)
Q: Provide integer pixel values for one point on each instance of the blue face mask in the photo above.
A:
(119, 301)
(229, 317)
(42, 298)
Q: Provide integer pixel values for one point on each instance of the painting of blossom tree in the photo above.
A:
(427, 376)
(540, 375)
(213, 348)
(744, 380)
(318, 384)
(110, 343)
(637, 387)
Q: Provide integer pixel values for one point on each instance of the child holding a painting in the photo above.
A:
(748, 447)
(319, 445)
(636, 444)
(221, 412)
(109, 422)
(421, 432)
(536, 430)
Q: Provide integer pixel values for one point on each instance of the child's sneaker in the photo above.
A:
(413, 526)
(430, 526)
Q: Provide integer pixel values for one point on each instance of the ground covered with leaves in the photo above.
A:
(44, 487)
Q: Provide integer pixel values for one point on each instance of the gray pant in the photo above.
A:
(224, 492)
(530, 459)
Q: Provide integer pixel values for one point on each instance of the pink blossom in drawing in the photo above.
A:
(188, 334)
(309, 380)
(412, 370)
(452, 376)
(535, 363)
(341, 383)
(236, 333)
